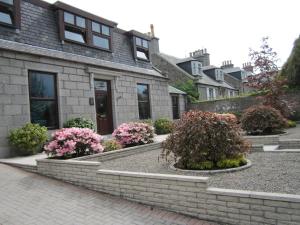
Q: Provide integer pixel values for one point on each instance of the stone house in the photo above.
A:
(238, 76)
(58, 62)
(209, 85)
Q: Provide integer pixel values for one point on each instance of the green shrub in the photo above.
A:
(231, 163)
(80, 123)
(28, 139)
(163, 126)
(111, 145)
(147, 121)
(291, 123)
(262, 120)
(199, 137)
(206, 165)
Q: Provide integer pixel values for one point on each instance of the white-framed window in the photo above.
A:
(196, 68)
(231, 93)
(211, 93)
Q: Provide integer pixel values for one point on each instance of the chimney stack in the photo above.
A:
(202, 56)
(248, 67)
(227, 64)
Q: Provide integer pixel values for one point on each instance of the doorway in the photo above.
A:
(103, 103)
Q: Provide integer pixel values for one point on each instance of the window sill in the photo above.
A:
(87, 45)
(141, 59)
(12, 26)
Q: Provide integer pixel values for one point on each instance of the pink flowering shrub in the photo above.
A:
(134, 133)
(73, 142)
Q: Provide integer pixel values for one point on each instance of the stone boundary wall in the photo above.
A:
(100, 157)
(263, 140)
(184, 194)
(239, 104)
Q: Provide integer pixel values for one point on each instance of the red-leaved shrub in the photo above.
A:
(202, 139)
(262, 120)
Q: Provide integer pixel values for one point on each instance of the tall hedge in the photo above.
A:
(291, 68)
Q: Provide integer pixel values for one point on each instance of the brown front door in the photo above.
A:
(103, 106)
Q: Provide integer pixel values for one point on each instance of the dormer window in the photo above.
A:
(75, 28)
(219, 75)
(196, 68)
(101, 36)
(141, 48)
(10, 13)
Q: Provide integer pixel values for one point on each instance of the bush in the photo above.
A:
(73, 142)
(163, 126)
(80, 123)
(291, 123)
(29, 139)
(111, 145)
(147, 121)
(134, 133)
(202, 139)
(231, 163)
(262, 120)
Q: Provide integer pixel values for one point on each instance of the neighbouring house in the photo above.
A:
(210, 86)
(239, 74)
(58, 62)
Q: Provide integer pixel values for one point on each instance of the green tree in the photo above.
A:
(190, 89)
(291, 68)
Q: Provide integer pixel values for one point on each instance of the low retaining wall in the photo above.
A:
(184, 194)
(120, 153)
(28, 168)
(289, 144)
(75, 172)
(264, 140)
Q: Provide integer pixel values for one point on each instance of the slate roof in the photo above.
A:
(203, 79)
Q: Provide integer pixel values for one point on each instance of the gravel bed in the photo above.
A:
(292, 133)
(270, 172)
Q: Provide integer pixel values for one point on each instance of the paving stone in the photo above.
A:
(30, 199)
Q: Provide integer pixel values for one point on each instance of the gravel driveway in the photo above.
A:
(271, 172)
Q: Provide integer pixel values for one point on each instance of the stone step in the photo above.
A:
(289, 144)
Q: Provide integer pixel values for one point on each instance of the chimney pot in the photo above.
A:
(152, 30)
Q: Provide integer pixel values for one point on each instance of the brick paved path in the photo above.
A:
(27, 198)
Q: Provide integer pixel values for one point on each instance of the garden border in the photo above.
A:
(204, 172)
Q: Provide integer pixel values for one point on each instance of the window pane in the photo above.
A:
(100, 42)
(44, 113)
(42, 85)
(145, 44)
(74, 36)
(143, 94)
(144, 110)
(105, 30)
(141, 55)
(138, 41)
(69, 18)
(96, 27)
(9, 2)
(143, 101)
(5, 18)
(80, 21)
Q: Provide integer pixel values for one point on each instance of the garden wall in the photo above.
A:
(241, 103)
(184, 194)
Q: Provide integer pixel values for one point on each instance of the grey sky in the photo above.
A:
(227, 28)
